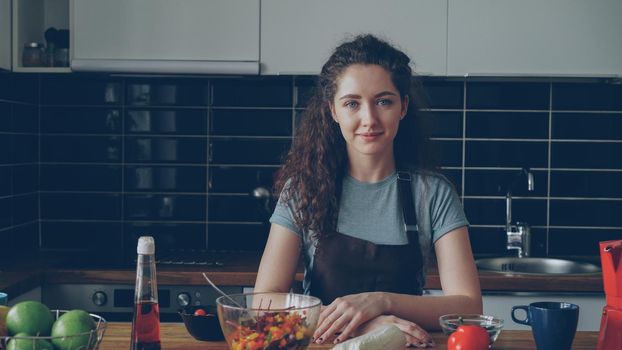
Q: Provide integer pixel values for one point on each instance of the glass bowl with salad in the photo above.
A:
(268, 321)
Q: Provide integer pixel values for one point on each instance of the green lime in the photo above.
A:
(28, 344)
(30, 317)
(72, 330)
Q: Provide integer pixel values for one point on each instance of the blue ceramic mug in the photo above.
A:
(4, 298)
(553, 323)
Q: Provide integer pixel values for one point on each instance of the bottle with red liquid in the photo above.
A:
(146, 322)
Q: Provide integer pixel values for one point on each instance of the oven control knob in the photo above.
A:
(99, 298)
(183, 299)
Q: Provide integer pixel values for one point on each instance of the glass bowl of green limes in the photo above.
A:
(31, 325)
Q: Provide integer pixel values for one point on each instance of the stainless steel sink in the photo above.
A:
(540, 266)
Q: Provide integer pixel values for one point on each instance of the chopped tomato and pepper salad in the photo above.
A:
(272, 331)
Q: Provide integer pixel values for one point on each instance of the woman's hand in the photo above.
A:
(415, 335)
(346, 314)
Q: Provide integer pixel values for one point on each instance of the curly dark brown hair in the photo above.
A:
(317, 160)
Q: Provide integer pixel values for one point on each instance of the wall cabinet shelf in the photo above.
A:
(162, 36)
(298, 36)
(31, 18)
(536, 38)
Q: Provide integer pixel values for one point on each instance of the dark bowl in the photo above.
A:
(204, 327)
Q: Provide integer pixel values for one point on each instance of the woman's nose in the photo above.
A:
(369, 115)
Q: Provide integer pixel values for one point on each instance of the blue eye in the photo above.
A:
(384, 102)
(351, 104)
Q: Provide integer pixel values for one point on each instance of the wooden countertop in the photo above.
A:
(174, 336)
(240, 269)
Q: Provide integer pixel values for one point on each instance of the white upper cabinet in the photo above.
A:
(297, 36)
(5, 34)
(185, 36)
(535, 37)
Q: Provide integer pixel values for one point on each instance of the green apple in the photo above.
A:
(72, 330)
(28, 344)
(30, 317)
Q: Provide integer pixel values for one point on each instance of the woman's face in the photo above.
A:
(368, 108)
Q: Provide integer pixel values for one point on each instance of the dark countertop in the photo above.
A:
(240, 269)
(175, 336)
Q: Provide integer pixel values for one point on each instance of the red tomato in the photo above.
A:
(200, 312)
(468, 337)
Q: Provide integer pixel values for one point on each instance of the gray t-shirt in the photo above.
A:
(371, 211)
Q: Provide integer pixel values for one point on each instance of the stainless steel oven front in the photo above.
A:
(115, 302)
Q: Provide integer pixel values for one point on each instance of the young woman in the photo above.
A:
(359, 202)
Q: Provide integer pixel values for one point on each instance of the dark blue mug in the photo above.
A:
(553, 323)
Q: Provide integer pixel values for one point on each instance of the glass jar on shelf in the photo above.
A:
(33, 55)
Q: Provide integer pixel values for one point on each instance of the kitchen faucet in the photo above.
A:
(518, 235)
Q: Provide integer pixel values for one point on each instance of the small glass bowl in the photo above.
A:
(449, 324)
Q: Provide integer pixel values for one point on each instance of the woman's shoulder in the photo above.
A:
(430, 177)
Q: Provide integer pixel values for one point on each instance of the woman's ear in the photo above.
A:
(333, 112)
(405, 102)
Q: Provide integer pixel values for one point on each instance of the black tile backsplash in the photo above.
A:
(19, 158)
(507, 125)
(6, 181)
(166, 149)
(80, 120)
(167, 92)
(224, 179)
(251, 122)
(25, 178)
(587, 97)
(162, 178)
(493, 153)
(594, 213)
(237, 236)
(441, 94)
(80, 149)
(587, 126)
(248, 151)
(579, 241)
(6, 212)
(166, 121)
(80, 177)
(496, 182)
(79, 90)
(24, 119)
(165, 207)
(97, 236)
(92, 162)
(492, 211)
(444, 124)
(586, 155)
(253, 92)
(448, 152)
(586, 184)
(19, 88)
(303, 90)
(80, 206)
(508, 95)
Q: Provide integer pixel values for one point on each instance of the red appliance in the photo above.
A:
(610, 336)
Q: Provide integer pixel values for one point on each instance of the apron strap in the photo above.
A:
(405, 194)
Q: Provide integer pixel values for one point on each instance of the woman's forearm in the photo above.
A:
(425, 310)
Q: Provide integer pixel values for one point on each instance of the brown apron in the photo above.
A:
(346, 265)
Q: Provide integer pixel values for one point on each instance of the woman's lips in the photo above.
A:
(370, 136)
